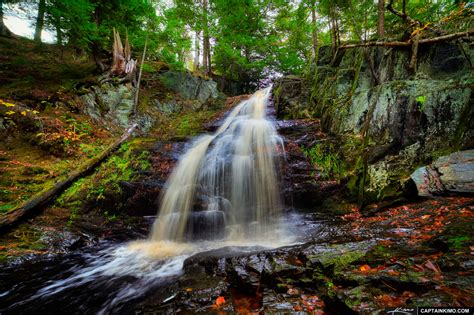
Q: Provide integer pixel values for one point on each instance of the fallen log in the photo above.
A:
(410, 42)
(41, 199)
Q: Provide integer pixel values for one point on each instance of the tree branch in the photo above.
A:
(409, 19)
(425, 41)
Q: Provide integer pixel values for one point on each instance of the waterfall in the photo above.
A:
(227, 184)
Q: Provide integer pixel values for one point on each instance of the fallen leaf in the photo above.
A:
(220, 301)
(364, 268)
(432, 267)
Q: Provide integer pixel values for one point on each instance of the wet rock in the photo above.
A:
(451, 173)
(289, 96)
(409, 118)
(206, 225)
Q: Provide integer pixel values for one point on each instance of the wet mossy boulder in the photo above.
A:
(110, 102)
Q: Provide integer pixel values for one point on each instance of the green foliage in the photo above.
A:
(420, 102)
(6, 207)
(329, 163)
(458, 242)
(250, 39)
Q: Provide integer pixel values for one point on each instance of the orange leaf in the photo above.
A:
(393, 272)
(364, 268)
(219, 301)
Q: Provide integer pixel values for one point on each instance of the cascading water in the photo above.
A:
(227, 184)
(226, 188)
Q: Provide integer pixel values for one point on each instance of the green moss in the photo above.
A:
(459, 242)
(327, 159)
(339, 256)
(6, 207)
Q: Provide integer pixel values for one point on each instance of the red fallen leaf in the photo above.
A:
(388, 300)
(297, 308)
(392, 272)
(418, 267)
(364, 268)
(220, 301)
(432, 267)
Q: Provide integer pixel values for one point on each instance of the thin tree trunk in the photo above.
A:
(197, 51)
(314, 32)
(33, 205)
(381, 20)
(333, 35)
(135, 106)
(96, 55)
(206, 63)
(40, 20)
(59, 33)
(209, 65)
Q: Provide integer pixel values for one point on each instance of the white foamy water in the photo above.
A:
(227, 185)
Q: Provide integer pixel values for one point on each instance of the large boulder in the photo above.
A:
(451, 173)
(192, 87)
(110, 102)
(290, 97)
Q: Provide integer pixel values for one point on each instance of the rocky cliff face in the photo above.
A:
(114, 103)
(387, 130)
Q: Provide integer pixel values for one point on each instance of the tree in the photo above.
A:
(381, 18)
(88, 24)
(206, 44)
(40, 20)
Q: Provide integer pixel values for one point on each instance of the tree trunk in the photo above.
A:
(38, 201)
(333, 35)
(4, 31)
(59, 36)
(135, 104)
(95, 48)
(209, 65)
(196, 51)
(314, 32)
(206, 47)
(40, 20)
(381, 20)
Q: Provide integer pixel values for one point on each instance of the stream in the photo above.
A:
(110, 278)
